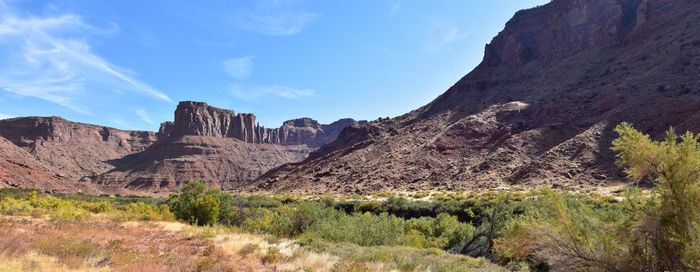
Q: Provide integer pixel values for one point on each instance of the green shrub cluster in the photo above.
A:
(368, 224)
(196, 205)
(316, 220)
(658, 232)
(31, 202)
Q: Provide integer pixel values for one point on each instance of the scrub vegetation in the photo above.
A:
(537, 230)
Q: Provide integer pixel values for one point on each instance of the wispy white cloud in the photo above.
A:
(274, 18)
(144, 116)
(444, 35)
(287, 92)
(394, 7)
(239, 68)
(250, 93)
(50, 59)
(5, 116)
(147, 39)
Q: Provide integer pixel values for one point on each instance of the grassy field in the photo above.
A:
(101, 233)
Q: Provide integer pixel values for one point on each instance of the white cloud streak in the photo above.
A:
(50, 59)
(274, 18)
(395, 6)
(250, 93)
(144, 116)
(240, 68)
(287, 92)
(5, 116)
(445, 35)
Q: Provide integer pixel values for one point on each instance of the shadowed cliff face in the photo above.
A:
(200, 119)
(541, 38)
(538, 111)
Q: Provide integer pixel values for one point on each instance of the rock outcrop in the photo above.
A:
(199, 119)
(538, 111)
(219, 147)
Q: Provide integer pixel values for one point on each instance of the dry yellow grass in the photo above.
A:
(38, 262)
(39, 244)
(29, 244)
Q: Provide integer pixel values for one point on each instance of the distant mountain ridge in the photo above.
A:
(60, 155)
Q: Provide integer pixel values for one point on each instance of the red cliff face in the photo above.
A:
(26, 131)
(64, 152)
(200, 119)
(538, 111)
(560, 29)
(219, 147)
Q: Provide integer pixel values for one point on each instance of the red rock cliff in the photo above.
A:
(199, 119)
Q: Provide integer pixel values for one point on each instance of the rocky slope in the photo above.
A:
(56, 153)
(18, 169)
(219, 147)
(538, 111)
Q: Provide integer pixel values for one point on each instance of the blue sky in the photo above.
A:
(126, 64)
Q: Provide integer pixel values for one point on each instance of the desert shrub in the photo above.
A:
(247, 249)
(70, 208)
(63, 247)
(11, 206)
(142, 211)
(347, 206)
(364, 229)
(404, 208)
(665, 234)
(194, 206)
(495, 211)
(559, 226)
(272, 255)
(327, 200)
(204, 263)
(443, 231)
(117, 200)
(289, 220)
(96, 207)
(227, 212)
(397, 258)
(642, 233)
(375, 207)
(421, 194)
(15, 193)
(70, 251)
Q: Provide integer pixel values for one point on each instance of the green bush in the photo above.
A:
(364, 229)
(194, 206)
(642, 233)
